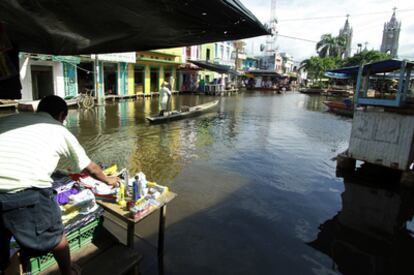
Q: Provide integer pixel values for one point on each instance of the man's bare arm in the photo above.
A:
(96, 172)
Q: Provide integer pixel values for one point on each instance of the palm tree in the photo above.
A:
(330, 46)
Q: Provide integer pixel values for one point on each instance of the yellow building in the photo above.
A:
(207, 53)
(152, 68)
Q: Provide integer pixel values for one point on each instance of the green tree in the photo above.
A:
(365, 57)
(331, 46)
(316, 66)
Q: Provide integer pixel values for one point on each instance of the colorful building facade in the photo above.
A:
(152, 68)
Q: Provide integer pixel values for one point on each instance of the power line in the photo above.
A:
(298, 38)
(341, 16)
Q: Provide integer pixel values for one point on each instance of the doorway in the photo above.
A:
(110, 71)
(42, 81)
(154, 78)
(139, 79)
(85, 77)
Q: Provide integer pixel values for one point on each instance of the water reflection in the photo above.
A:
(314, 103)
(372, 234)
(118, 133)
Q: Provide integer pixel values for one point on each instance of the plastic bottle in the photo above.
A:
(120, 196)
(135, 189)
(142, 184)
(127, 191)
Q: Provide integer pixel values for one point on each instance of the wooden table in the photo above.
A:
(124, 216)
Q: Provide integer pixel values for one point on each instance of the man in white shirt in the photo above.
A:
(31, 145)
(165, 95)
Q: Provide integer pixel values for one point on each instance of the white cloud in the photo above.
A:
(366, 28)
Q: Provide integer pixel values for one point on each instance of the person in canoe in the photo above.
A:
(31, 145)
(164, 99)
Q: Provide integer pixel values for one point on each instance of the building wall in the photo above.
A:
(161, 70)
(70, 79)
(174, 51)
(131, 82)
(26, 77)
(224, 51)
(203, 56)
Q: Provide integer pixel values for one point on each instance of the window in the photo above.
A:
(208, 54)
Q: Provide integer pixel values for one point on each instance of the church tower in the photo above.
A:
(346, 32)
(391, 36)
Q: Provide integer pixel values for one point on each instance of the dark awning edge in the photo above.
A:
(374, 67)
(223, 69)
(264, 73)
(68, 27)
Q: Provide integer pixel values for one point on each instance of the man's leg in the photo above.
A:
(62, 256)
(5, 237)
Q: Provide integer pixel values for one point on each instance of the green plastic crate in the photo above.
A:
(76, 239)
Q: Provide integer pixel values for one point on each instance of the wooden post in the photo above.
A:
(130, 234)
(163, 215)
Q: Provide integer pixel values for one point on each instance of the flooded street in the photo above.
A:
(256, 184)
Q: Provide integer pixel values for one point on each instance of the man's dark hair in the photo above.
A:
(53, 105)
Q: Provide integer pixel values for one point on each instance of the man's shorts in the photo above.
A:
(33, 218)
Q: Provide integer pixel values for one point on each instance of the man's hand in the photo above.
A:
(114, 181)
(96, 172)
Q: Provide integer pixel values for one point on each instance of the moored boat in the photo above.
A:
(183, 113)
(339, 91)
(344, 108)
(312, 91)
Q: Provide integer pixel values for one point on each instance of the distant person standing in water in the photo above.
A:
(165, 95)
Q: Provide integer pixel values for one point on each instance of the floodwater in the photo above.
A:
(256, 184)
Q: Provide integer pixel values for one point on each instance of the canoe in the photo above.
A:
(339, 108)
(175, 115)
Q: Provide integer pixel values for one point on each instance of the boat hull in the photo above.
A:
(194, 111)
(339, 108)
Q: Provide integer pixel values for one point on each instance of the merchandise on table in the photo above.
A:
(144, 195)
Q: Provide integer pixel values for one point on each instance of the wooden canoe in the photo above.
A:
(175, 115)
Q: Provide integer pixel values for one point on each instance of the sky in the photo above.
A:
(366, 17)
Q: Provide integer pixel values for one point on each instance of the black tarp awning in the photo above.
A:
(222, 69)
(375, 67)
(107, 26)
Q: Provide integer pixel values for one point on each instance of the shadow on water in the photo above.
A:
(373, 232)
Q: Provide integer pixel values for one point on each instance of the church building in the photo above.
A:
(346, 32)
(390, 36)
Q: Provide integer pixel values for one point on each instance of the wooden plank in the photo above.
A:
(382, 138)
(118, 259)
